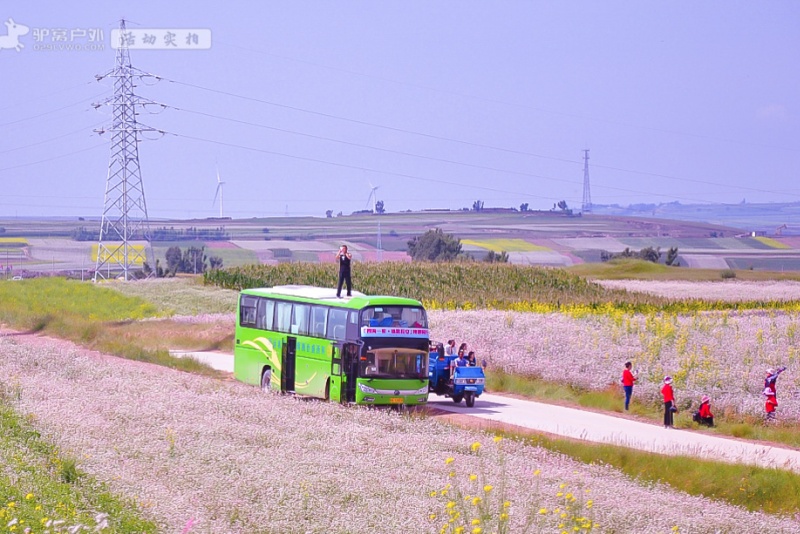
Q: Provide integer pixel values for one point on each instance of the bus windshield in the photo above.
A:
(394, 316)
(394, 363)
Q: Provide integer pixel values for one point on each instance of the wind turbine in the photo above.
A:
(218, 193)
(373, 197)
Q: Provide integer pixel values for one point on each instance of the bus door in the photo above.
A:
(288, 364)
(350, 364)
(335, 384)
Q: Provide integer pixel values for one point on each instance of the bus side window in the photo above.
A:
(283, 317)
(319, 317)
(337, 320)
(247, 311)
(300, 319)
(264, 314)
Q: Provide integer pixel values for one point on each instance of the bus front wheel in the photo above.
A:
(266, 377)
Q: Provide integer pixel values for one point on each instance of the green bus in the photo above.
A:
(361, 349)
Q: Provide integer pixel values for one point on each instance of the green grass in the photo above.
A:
(182, 295)
(82, 312)
(612, 400)
(38, 301)
(773, 491)
(39, 484)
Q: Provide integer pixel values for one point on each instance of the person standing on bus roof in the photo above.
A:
(344, 257)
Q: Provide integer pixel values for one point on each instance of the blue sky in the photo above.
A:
(303, 105)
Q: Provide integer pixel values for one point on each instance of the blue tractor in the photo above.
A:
(451, 381)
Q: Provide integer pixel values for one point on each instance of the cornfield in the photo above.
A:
(468, 286)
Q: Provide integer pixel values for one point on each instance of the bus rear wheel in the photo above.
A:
(266, 378)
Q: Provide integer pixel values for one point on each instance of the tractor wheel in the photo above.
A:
(470, 398)
(457, 398)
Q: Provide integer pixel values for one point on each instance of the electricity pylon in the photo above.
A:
(124, 220)
(586, 205)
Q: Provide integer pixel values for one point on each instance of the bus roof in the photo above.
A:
(327, 296)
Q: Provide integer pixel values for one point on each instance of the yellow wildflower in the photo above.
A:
(475, 446)
(473, 478)
(498, 439)
(476, 521)
(488, 487)
(449, 461)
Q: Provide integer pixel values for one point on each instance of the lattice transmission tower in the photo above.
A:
(586, 205)
(125, 228)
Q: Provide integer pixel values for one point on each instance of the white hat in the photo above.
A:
(770, 371)
(704, 399)
(668, 380)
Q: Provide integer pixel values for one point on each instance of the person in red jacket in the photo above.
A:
(628, 378)
(669, 402)
(771, 404)
(703, 415)
(772, 378)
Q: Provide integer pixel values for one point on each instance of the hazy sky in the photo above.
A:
(303, 104)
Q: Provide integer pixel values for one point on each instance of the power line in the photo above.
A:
(51, 159)
(516, 104)
(53, 110)
(49, 140)
(438, 138)
(35, 98)
(432, 180)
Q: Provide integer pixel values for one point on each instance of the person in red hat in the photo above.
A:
(669, 402)
(703, 415)
(771, 404)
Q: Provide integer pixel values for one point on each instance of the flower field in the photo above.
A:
(720, 354)
(201, 455)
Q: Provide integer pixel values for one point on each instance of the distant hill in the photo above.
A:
(771, 219)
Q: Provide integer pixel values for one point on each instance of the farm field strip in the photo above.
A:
(729, 290)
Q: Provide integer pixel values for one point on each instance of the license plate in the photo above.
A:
(396, 400)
